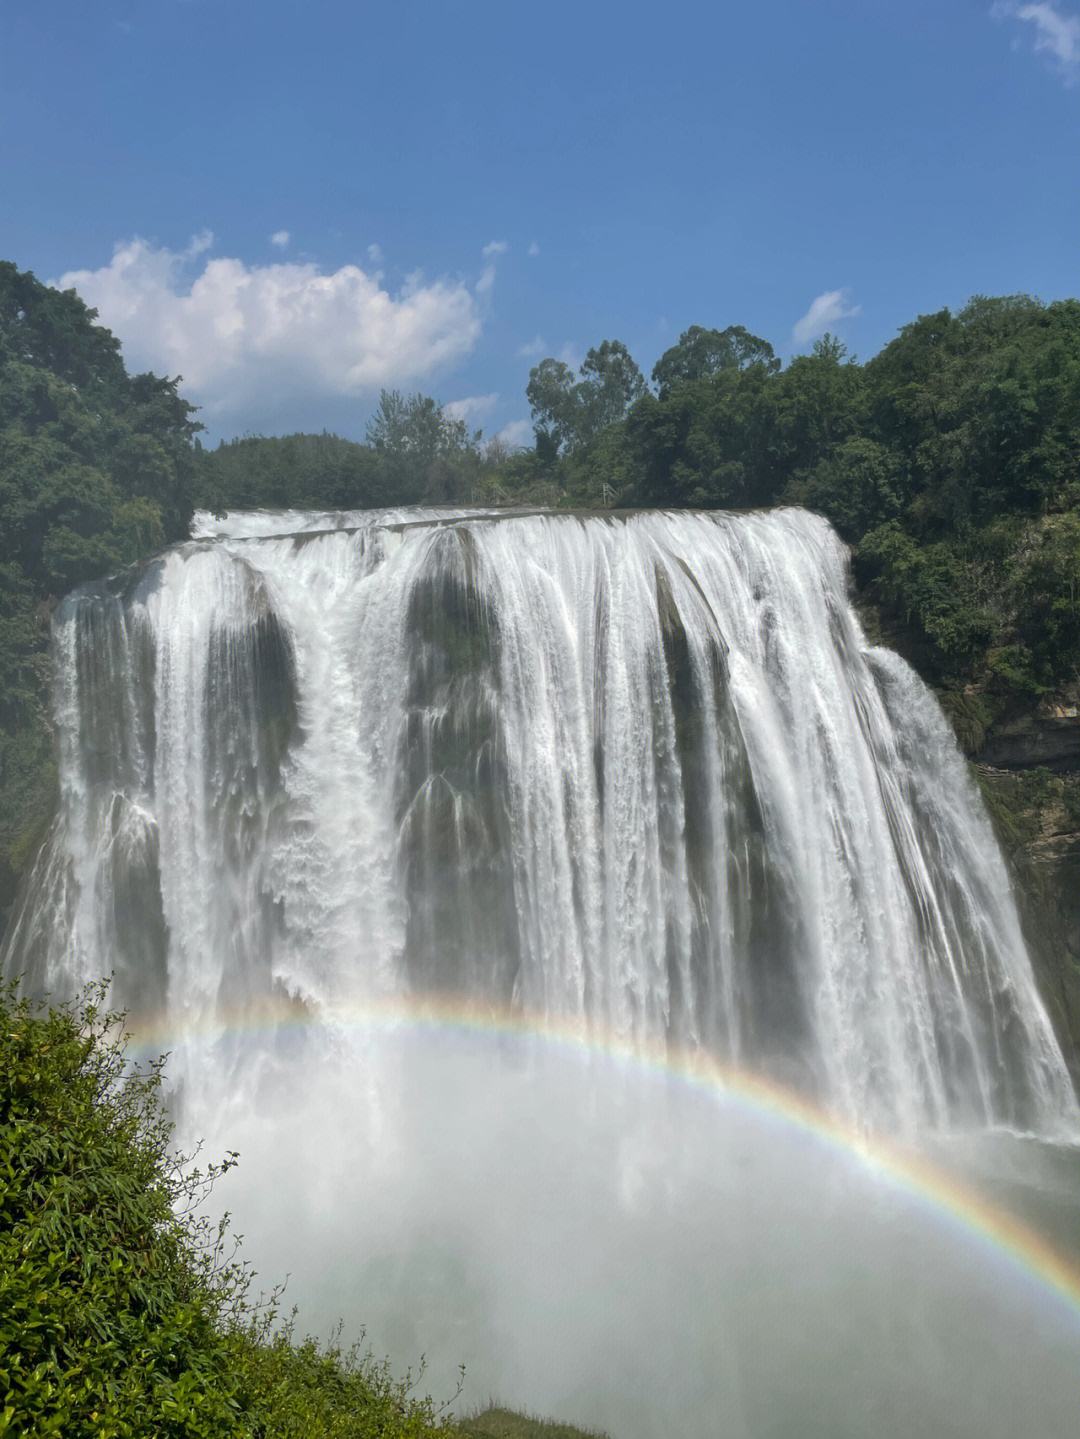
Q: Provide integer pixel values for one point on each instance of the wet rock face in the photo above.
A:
(1051, 910)
(1048, 735)
(1036, 812)
(1029, 764)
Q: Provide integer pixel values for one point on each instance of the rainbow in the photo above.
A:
(998, 1232)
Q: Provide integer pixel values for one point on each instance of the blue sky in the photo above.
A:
(456, 189)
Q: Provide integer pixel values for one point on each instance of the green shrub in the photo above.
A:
(123, 1313)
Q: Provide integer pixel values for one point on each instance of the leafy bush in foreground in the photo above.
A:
(122, 1312)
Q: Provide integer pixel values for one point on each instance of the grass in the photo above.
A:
(498, 1423)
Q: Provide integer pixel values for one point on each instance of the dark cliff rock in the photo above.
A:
(1028, 763)
(1048, 735)
(1037, 816)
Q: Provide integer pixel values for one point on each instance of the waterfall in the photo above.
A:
(640, 771)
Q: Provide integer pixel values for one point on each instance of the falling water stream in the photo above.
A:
(640, 777)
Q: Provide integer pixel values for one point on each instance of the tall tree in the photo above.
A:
(570, 413)
(429, 453)
(700, 353)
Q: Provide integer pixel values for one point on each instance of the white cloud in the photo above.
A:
(375, 254)
(249, 337)
(471, 408)
(199, 244)
(824, 312)
(280, 238)
(493, 248)
(516, 434)
(533, 251)
(533, 348)
(1057, 33)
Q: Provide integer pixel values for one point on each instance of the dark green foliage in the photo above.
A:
(701, 353)
(931, 586)
(96, 471)
(415, 453)
(302, 1389)
(971, 715)
(122, 1313)
(742, 432)
(109, 1303)
(1044, 588)
(1019, 801)
(568, 413)
(858, 485)
(424, 452)
(291, 472)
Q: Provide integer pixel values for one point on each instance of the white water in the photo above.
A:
(642, 772)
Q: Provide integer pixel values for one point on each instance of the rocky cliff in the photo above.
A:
(1029, 769)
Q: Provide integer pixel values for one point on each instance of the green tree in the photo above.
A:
(570, 413)
(858, 485)
(1045, 589)
(610, 384)
(428, 453)
(700, 353)
(553, 398)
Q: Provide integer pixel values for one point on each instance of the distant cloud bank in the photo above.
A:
(247, 336)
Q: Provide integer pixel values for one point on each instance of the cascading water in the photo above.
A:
(642, 771)
(639, 774)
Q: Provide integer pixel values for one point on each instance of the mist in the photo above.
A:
(604, 1243)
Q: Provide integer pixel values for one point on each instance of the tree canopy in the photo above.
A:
(568, 413)
(701, 353)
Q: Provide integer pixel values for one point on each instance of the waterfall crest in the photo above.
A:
(642, 771)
